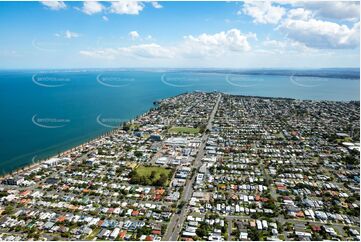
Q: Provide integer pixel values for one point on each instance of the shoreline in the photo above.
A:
(142, 173)
(35, 164)
(38, 163)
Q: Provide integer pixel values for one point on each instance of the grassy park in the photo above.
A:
(151, 175)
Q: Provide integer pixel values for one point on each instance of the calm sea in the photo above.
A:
(46, 112)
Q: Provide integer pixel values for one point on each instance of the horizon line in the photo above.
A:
(187, 68)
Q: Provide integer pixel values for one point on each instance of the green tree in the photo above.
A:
(152, 175)
(9, 209)
(162, 180)
(138, 153)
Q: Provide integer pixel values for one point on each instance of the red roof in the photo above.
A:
(316, 228)
(25, 193)
(300, 214)
(100, 222)
(159, 191)
(135, 213)
(149, 238)
(122, 234)
(156, 231)
(61, 219)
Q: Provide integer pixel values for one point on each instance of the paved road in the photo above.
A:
(177, 220)
(229, 228)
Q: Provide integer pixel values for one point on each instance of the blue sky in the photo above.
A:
(179, 34)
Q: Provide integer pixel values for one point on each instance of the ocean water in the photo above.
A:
(46, 112)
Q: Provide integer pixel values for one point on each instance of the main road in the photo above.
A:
(177, 220)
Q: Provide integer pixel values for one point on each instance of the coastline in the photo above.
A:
(38, 162)
(34, 165)
(123, 158)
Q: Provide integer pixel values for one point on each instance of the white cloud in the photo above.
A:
(67, 34)
(204, 45)
(116, 7)
(341, 10)
(299, 13)
(105, 18)
(217, 44)
(148, 51)
(54, 5)
(226, 49)
(133, 35)
(321, 34)
(126, 7)
(263, 12)
(108, 53)
(286, 46)
(70, 35)
(347, 10)
(144, 51)
(92, 7)
(156, 5)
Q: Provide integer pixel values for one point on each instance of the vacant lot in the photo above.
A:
(183, 130)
